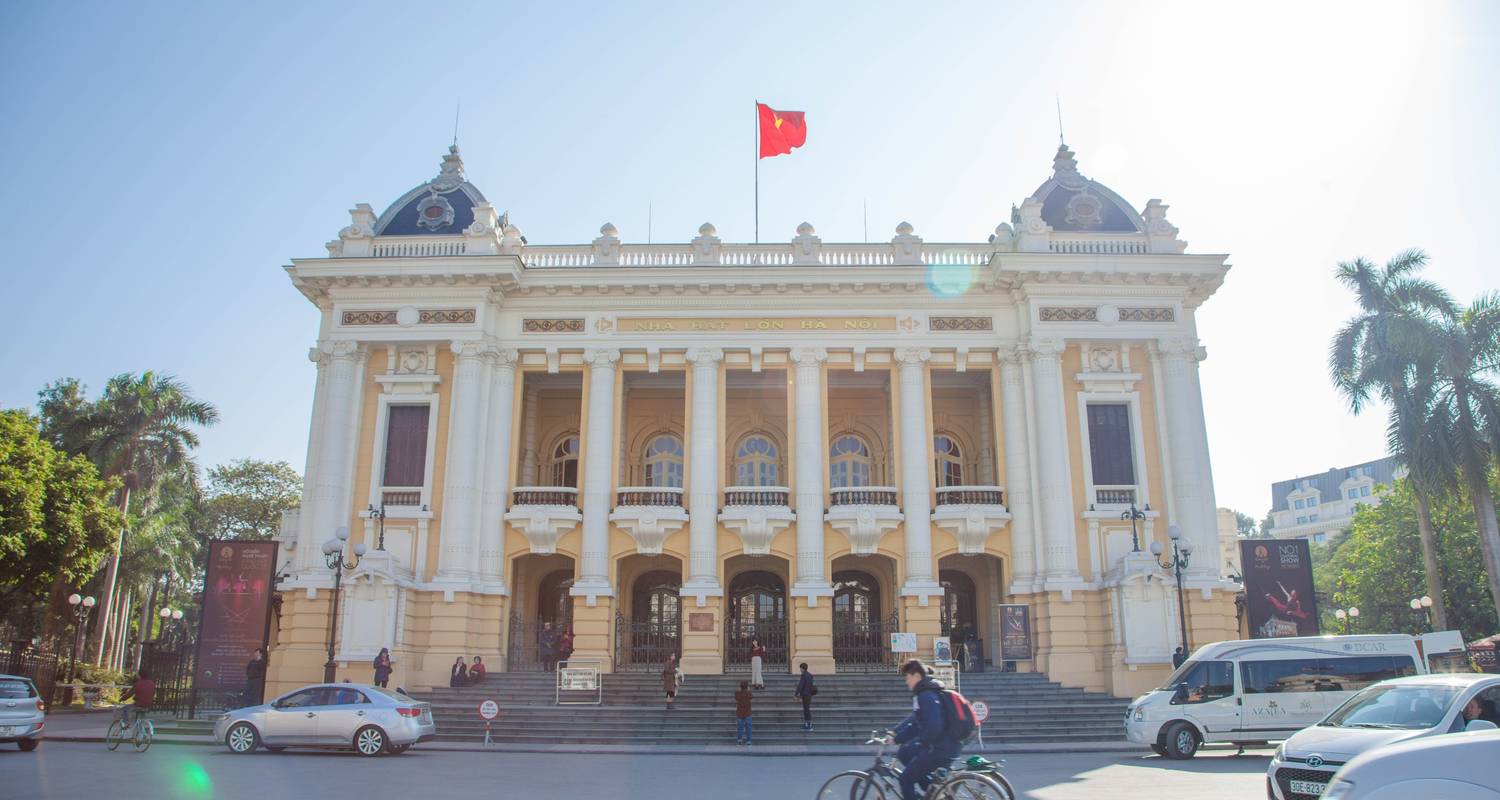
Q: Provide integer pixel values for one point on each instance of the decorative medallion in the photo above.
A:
(1069, 314)
(446, 316)
(1085, 210)
(552, 326)
(434, 212)
(368, 318)
(960, 323)
(1147, 315)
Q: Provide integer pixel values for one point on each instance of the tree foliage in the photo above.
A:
(245, 499)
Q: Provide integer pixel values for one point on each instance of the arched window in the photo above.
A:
(554, 599)
(657, 598)
(949, 466)
(849, 462)
(960, 604)
(664, 461)
(856, 598)
(757, 462)
(565, 462)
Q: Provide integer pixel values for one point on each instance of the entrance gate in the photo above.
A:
(644, 646)
(757, 610)
(864, 645)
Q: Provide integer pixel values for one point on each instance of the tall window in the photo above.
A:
(664, 461)
(950, 466)
(856, 598)
(565, 462)
(849, 462)
(757, 462)
(1109, 444)
(405, 446)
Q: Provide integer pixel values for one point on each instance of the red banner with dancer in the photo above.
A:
(1279, 587)
(236, 611)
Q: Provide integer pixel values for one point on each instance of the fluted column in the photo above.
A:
(457, 557)
(987, 440)
(916, 480)
(598, 475)
(327, 484)
(1187, 444)
(1018, 473)
(496, 469)
(811, 453)
(1059, 538)
(703, 502)
(528, 438)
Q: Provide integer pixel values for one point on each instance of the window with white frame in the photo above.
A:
(1110, 450)
(849, 462)
(757, 462)
(949, 465)
(1352, 493)
(664, 461)
(1364, 491)
(1299, 503)
(405, 446)
(1302, 520)
(564, 462)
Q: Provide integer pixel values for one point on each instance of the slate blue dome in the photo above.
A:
(443, 205)
(1071, 202)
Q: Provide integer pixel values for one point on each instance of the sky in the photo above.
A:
(161, 162)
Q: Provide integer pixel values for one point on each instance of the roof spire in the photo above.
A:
(1060, 141)
(451, 174)
(456, 108)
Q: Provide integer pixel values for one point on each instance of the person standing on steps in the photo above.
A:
(757, 661)
(669, 676)
(255, 677)
(548, 642)
(805, 691)
(460, 674)
(382, 666)
(744, 722)
(565, 644)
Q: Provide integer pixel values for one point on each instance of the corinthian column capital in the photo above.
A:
(1041, 347)
(808, 356)
(601, 357)
(704, 357)
(912, 356)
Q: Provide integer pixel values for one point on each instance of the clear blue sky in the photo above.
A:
(160, 162)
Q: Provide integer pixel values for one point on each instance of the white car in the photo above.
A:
(1457, 767)
(1391, 711)
(22, 712)
(367, 719)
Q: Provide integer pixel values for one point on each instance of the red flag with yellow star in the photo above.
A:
(780, 131)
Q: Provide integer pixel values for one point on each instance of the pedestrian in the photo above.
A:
(255, 677)
(476, 672)
(805, 692)
(743, 720)
(565, 644)
(382, 664)
(669, 679)
(1178, 657)
(460, 674)
(757, 662)
(926, 743)
(548, 642)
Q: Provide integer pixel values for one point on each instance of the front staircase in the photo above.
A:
(1024, 707)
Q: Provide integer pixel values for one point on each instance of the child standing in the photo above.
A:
(743, 720)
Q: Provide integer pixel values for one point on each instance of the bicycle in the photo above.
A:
(141, 731)
(974, 779)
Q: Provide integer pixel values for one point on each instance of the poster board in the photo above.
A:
(235, 615)
(1015, 632)
(942, 649)
(578, 683)
(903, 642)
(1279, 588)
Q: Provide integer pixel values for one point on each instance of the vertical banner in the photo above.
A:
(1015, 632)
(1279, 587)
(236, 607)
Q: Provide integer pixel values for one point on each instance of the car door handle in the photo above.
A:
(359, 713)
(311, 714)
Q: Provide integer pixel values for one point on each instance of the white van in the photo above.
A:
(1257, 690)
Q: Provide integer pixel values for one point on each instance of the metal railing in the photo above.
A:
(545, 496)
(757, 496)
(970, 495)
(669, 496)
(864, 496)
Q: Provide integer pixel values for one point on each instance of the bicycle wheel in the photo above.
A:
(851, 785)
(144, 732)
(115, 733)
(974, 786)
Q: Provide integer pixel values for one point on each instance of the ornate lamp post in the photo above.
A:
(1423, 606)
(333, 554)
(1182, 552)
(81, 608)
(378, 513)
(1347, 617)
(1133, 515)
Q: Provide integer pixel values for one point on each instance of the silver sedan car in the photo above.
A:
(22, 712)
(367, 719)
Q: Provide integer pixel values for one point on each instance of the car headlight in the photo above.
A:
(1280, 751)
(1339, 790)
(1140, 713)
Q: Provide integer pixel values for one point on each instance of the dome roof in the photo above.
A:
(1071, 202)
(444, 204)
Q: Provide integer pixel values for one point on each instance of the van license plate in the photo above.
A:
(1308, 787)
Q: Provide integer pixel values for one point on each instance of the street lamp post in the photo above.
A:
(1182, 552)
(1133, 515)
(1423, 606)
(333, 554)
(81, 608)
(378, 513)
(1347, 617)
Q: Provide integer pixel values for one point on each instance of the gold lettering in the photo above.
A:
(814, 325)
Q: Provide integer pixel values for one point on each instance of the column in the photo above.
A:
(1017, 472)
(528, 437)
(497, 469)
(1187, 444)
(457, 557)
(1059, 539)
(703, 502)
(811, 451)
(598, 475)
(328, 480)
(987, 439)
(916, 481)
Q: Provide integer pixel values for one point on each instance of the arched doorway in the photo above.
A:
(861, 635)
(960, 605)
(652, 629)
(541, 599)
(973, 588)
(757, 610)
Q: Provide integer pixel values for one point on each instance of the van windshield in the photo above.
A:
(1407, 707)
(1177, 676)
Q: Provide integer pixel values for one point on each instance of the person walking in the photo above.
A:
(757, 662)
(477, 672)
(805, 691)
(460, 675)
(255, 677)
(548, 642)
(744, 721)
(669, 679)
(923, 735)
(382, 664)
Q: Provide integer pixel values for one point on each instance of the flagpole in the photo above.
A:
(757, 172)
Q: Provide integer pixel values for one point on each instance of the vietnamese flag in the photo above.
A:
(780, 131)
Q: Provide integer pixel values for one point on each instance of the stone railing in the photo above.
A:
(757, 496)
(650, 496)
(416, 247)
(401, 497)
(970, 496)
(1099, 243)
(545, 496)
(865, 496)
(1114, 495)
(752, 255)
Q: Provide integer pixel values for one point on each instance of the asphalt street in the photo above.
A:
(65, 770)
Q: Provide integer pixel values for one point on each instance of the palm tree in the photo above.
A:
(140, 429)
(1466, 414)
(1374, 356)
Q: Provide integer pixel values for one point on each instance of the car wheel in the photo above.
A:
(369, 741)
(1158, 749)
(27, 745)
(242, 738)
(397, 749)
(1182, 741)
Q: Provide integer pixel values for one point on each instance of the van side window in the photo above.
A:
(1322, 673)
(1207, 681)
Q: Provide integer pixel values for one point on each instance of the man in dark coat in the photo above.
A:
(255, 677)
(548, 642)
(923, 735)
(805, 692)
(1178, 657)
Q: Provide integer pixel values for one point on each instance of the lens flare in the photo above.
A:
(188, 780)
(949, 280)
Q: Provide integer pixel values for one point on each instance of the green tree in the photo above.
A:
(1383, 353)
(1244, 524)
(245, 499)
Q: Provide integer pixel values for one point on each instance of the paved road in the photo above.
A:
(63, 771)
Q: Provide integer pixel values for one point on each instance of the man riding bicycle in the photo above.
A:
(923, 735)
(144, 691)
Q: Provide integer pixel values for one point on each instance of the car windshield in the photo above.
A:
(1409, 707)
(15, 690)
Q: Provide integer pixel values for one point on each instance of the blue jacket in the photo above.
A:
(805, 686)
(925, 725)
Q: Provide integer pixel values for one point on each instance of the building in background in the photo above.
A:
(1316, 507)
(1229, 542)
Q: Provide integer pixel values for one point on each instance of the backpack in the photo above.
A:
(958, 716)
